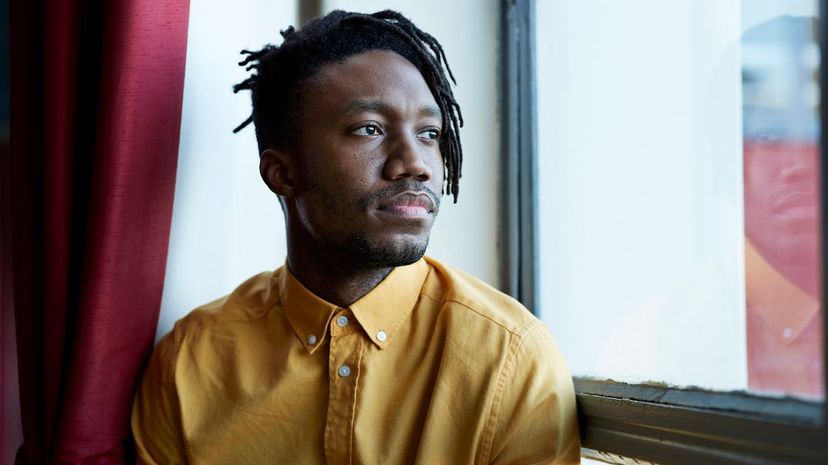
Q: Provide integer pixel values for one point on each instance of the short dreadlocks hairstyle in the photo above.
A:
(279, 73)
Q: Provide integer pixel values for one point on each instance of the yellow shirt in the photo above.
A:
(431, 367)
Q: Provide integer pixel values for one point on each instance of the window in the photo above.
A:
(663, 216)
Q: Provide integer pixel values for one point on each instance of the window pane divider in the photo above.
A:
(518, 174)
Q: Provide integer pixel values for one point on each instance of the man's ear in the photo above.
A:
(278, 170)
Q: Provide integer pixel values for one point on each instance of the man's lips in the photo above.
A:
(409, 204)
(796, 200)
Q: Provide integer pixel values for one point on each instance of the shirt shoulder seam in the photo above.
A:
(525, 327)
(200, 316)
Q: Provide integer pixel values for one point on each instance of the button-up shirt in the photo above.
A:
(784, 332)
(432, 366)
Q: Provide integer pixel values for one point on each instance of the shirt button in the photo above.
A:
(381, 336)
(312, 339)
(787, 333)
(342, 321)
(344, 371)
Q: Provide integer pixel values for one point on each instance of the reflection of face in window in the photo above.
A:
(781, 147)
(782, 205)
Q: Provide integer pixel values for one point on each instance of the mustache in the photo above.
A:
(398, 188)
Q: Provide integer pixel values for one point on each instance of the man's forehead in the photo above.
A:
(378, 81)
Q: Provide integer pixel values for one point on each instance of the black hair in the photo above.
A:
(280, 71)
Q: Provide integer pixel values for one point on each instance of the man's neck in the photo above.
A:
(338, 283)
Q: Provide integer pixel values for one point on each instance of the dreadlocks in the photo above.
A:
(280, 71)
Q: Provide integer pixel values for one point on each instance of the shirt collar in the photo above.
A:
(308, 314)
(785, 307)
(381, 312)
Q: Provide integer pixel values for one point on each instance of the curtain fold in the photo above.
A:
(96, 91)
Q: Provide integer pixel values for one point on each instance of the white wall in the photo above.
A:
(227, 225)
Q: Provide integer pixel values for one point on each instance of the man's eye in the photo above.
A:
(367, 130)
(767, 137)
(432, 134)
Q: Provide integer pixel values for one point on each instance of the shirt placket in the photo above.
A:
(344, 367)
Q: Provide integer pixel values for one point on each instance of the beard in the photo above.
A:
(374, 257)
(360, 252)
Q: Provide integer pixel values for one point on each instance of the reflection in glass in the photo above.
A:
(780, 89)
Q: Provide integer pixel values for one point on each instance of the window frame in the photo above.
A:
(630, 423)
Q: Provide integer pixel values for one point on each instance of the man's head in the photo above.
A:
(357, 129)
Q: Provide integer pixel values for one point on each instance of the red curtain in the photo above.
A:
(96, 91)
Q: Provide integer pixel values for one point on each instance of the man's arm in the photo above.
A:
(537, 422)
(156, 413)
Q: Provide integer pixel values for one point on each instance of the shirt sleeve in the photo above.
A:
(537, 421)
(156, 414)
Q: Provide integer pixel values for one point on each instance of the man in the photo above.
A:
(358, 350)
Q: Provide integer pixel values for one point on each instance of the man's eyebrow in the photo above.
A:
(366, 106)
(431, 110)
(376, 106)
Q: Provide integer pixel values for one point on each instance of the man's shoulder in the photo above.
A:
(478, 300)
(250, 301)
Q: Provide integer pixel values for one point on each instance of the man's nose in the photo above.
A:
(407, 158)
(799, 163)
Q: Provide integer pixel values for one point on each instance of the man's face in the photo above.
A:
(782, 203)
(368, 171)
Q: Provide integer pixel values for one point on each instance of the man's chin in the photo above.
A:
(398, 253)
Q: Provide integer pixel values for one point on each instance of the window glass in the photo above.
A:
(678, 149)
